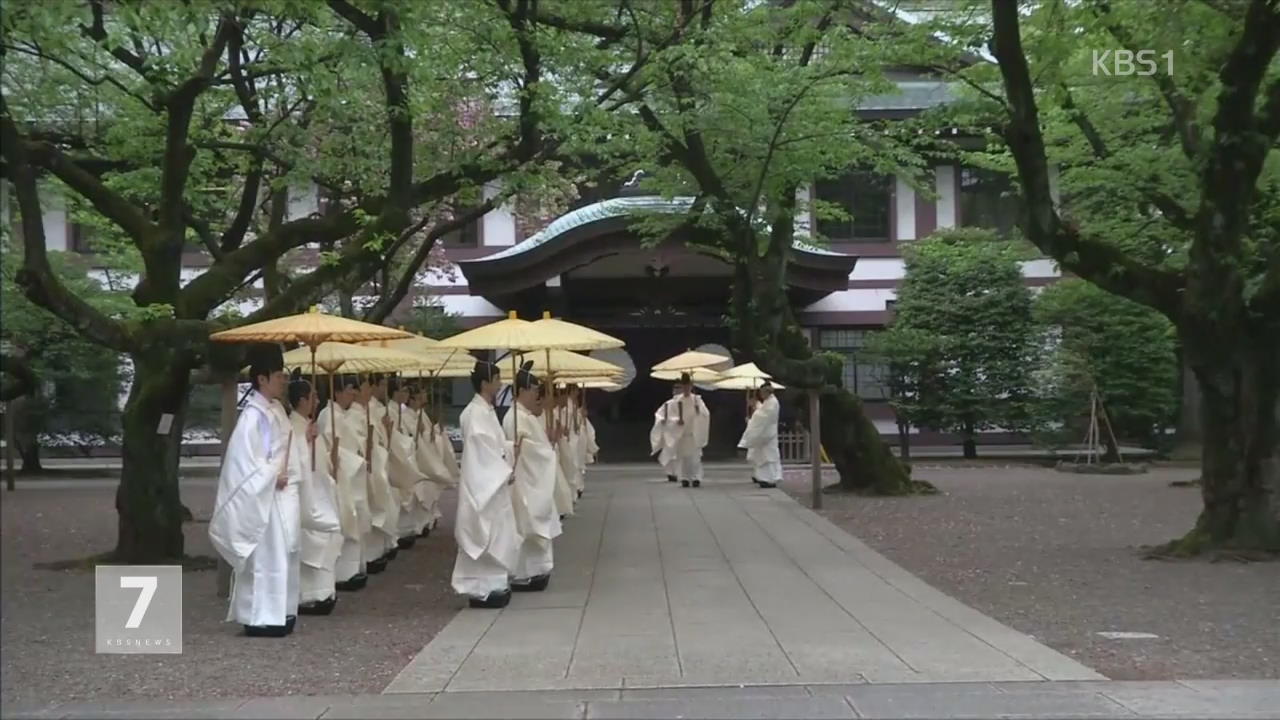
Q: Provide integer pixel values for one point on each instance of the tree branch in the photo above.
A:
(36, 277)
(1094, 260)
(391, 297)
(115, 207)
(1182, 107)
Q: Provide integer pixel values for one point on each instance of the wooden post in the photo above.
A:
(9, 433)
(815, 447)
(228, 418)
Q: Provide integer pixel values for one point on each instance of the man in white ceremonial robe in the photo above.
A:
(533, 494)
(760, 440)
(384, 511)
(686, 427)
(249, 523)
(402, 466)
(566, 444)
(347, 467)
(582, 443)
(488, 542)
(661, 443)
(320, 540)
(431, 460)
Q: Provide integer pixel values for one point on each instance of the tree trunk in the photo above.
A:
(1189, 437)
(28, 423)
(970, 444)
(1240, 465)
(904, 441)
(148, 503)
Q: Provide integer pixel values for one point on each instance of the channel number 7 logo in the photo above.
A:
(138, 609)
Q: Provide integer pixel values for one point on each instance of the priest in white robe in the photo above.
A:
(760, 440)
(687, 427)
(533, 494)
(340, 425)
(566, 444)
(662, 446)
(384, 512)
(438, 473)
(488, 542)
(402, 465)
(249, 523)
(320, 539)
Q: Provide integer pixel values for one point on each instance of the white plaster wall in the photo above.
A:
(499, 223)
(303, 201)
(471, 306)
(878, 269)
(945, 186)
(55, 224)
(859, 300)
(904, 200)
(803, 228)
(1044, 268)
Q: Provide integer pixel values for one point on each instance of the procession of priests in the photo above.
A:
(307, 508)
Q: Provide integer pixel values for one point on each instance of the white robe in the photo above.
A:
(249, 525)
(533, 494)
(488, 543)
(320, 541)
(351, 485)
(659, 444)
(384, 509)
(760, 440)
(403, 472)
(686, 426)
(567, 449)
(436, 473)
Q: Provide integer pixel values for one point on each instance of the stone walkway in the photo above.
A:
(657, 586)
(726, 601)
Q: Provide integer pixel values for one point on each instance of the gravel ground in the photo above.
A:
(1057, 556)
(46, 617)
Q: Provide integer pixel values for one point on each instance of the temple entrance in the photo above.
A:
(661, 298)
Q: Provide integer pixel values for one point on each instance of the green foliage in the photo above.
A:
(1126, 349)
(77, 384)
(432, 320)
(963, 339)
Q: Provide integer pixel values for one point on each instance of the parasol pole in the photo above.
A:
(315, 407)
(515, 420)
(333, 425)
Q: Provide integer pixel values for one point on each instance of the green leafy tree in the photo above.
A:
(1124, 350)
(907, 359)
(186, 125)
(1170, 196)
(739, 106)
(964, 292)
(60, 384)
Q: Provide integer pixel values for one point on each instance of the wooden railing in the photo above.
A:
(793, 446)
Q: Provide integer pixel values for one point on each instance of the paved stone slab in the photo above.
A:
(757, 707)
(662, 586)
(1204, 699)
(980, 701)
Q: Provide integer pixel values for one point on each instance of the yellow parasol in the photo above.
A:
(563, 362)
(746, 370)
(311, 328)
(572, 336)
(692, 360)
(596, 383)
(744, 383)
(696, 374)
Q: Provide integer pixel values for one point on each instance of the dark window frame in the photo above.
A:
(871, 222)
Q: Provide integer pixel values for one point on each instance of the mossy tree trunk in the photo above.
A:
(147, 499)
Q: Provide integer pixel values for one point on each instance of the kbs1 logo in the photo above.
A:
(138, 609)
(1124, 63)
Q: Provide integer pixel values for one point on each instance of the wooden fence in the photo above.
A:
(793, 445)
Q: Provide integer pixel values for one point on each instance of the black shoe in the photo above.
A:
(290, 622)
(671, 478)
(767, 485)
(537, 583)
(274, 631)
(755, 480)
(697, 483)
(390, 554)
(426, 532)
(353, 583)
(319, 607)
(406, 542)
(493, 600)
(684, 483)
(579, 494)
(562, 517)
(373, 567)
